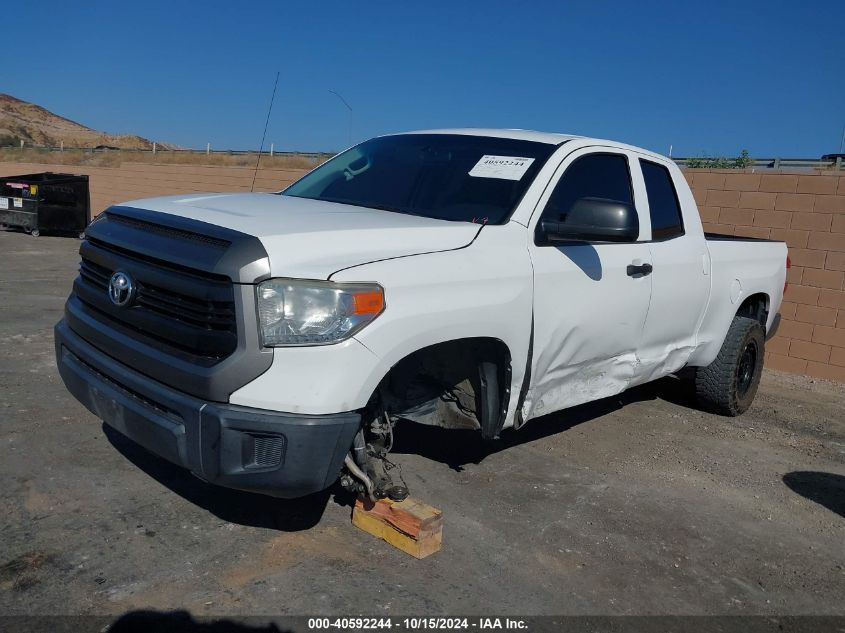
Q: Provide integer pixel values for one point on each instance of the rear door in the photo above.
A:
(680, 282)
(588, 311)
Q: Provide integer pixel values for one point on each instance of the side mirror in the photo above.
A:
(592, 220)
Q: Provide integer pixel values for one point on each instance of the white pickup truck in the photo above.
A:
(461, 278)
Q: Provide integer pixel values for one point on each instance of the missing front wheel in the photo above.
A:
(368, 470)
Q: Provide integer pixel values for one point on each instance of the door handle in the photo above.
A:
(639, 271)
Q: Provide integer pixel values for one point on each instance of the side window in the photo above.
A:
(665, 211)
(603, 176)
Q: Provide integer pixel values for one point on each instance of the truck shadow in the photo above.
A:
(456, 448)
(233, 506)
(184, 622)
(826, 489)
(585, 257)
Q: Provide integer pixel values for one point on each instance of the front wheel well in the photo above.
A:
(458, 384)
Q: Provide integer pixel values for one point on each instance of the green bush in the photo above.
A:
(720, 162)
(743, 160)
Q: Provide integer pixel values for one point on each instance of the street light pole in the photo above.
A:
(348, 107)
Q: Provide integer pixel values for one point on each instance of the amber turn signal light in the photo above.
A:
(370, 302)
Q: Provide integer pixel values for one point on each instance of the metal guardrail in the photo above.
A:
(775, 163)
(756, 163)
(156, 149)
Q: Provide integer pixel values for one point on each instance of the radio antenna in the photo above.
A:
(264, 136)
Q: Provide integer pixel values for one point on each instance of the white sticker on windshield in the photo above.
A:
(504, 167)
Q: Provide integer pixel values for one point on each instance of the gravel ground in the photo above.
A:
(638, 504)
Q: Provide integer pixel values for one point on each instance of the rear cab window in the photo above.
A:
(664, 208)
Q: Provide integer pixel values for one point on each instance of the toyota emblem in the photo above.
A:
(121, 289)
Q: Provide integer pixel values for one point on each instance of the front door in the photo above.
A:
(589, 308)
(680, 278)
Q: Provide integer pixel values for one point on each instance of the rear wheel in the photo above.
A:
(728, 384)
(35, 233)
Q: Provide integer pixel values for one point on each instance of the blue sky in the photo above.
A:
(706, 77)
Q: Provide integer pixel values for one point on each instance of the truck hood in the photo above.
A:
(311, 239)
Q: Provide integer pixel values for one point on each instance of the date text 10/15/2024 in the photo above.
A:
(416, 624)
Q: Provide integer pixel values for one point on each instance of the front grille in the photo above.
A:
(191, 324)
(186, 312)
(212, 315)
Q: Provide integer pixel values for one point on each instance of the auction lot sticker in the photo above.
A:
(504, 167)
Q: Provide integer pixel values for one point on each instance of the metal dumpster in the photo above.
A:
(46, 202)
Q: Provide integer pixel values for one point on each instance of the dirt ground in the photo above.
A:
(638, 504)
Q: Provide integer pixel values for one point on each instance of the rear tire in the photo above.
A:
(35, 233)
(728, 385)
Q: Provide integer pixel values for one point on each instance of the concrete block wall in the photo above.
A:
(110, 185)
(807, 211)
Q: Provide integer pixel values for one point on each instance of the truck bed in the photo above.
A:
(739, 268)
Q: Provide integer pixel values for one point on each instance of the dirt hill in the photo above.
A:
(21, 120)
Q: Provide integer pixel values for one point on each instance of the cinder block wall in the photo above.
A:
(110, 185)
(807, 210)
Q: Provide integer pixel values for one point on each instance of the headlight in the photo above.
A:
(300, 312)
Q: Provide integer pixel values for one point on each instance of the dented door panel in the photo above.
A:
(588, 319)
(589, 310)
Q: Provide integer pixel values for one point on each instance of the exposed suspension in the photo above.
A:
(369, 472)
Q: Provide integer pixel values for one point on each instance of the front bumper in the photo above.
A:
(278, 454)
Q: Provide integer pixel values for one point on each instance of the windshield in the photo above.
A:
(445, 176)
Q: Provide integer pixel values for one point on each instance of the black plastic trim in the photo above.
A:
(188, 243)
(721, 237)
(774, 329)
(173, 307)
(213, 381)
(202, 262)
(207, 438)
